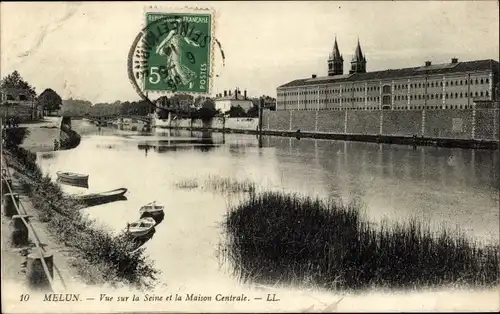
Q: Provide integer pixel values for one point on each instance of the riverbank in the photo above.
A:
(14, 259)
(42, 134)
(98, 257)
(383, 139)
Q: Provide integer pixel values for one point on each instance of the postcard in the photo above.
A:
(235, 157)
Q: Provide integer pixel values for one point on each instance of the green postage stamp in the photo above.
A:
(178, 51)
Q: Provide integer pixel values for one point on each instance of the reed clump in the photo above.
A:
(99, 257)
(277, 237)
(228, 185)
(186, 184)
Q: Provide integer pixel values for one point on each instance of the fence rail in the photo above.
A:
(18, 206)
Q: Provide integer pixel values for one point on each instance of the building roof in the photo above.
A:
(335, 52)
(468, 66)
(233, 97)
(358, 54)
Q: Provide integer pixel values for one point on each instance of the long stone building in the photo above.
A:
(453, 85)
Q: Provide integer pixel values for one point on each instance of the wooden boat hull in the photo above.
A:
(102, 198)
(140, 233)
(158, 217)
(143, 230)
(71, 177)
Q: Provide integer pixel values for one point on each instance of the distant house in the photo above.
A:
(180, 102)
(15, 96)
(19, 102)
(224, 102)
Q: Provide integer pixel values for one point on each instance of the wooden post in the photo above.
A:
(19, 235)
(5, 185)
(37, 277)
(10, 202)
(261, 108)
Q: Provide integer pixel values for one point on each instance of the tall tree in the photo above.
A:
(14, 80)
(50, 100)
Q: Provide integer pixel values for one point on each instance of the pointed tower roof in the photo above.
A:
(336, 52)
(358, 54)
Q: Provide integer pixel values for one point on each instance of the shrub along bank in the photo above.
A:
(99, 257)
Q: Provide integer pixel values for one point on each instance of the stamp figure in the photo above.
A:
(178, 52)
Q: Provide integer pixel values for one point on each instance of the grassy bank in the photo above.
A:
(275, 237)
(99, 257)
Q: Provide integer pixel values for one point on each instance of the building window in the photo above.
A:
(440, 83)
(461, 82)
(482, 82)
(487, 81)
(482, 94)
(487, 94)
(451, 83)
(477, 81)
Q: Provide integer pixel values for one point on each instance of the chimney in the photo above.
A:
(235, 93)
(225, 93)
(314, 76)
(245, 94)
(427, 63)
(454, 60)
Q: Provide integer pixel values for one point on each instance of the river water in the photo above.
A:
(454, 187)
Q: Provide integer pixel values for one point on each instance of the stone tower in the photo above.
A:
(335, 61)
(358, 63)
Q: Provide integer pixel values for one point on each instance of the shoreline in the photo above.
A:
(73, 249)
(381, 139)
(65, 275)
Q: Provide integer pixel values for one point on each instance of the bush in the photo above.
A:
(276, 237)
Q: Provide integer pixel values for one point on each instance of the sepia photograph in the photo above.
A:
(239, 156)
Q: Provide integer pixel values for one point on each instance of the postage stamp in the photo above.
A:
(174, 53)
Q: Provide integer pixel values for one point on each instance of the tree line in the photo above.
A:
(182, 105)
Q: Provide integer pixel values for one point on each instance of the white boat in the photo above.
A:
(152, 209)
(141, 227)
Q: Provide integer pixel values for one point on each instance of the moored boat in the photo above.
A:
(152, 209)
(141, 227)
(72, 176)
(102, 197)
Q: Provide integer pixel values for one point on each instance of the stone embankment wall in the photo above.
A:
(216, 123)
(479, 124)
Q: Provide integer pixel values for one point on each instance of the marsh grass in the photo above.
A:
(186, 184)
(218, 184)
(228, 185)
(99, 256)
(276, 237)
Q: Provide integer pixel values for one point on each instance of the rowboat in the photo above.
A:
(141, 227)
(101, 198)
(72, 176)
(152, 208)
(80, 184)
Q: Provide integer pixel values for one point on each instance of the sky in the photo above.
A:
(80, 49)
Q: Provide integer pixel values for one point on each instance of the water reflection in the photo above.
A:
(80, 184)
(396, 182)
(205, 143)
(441, 185)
